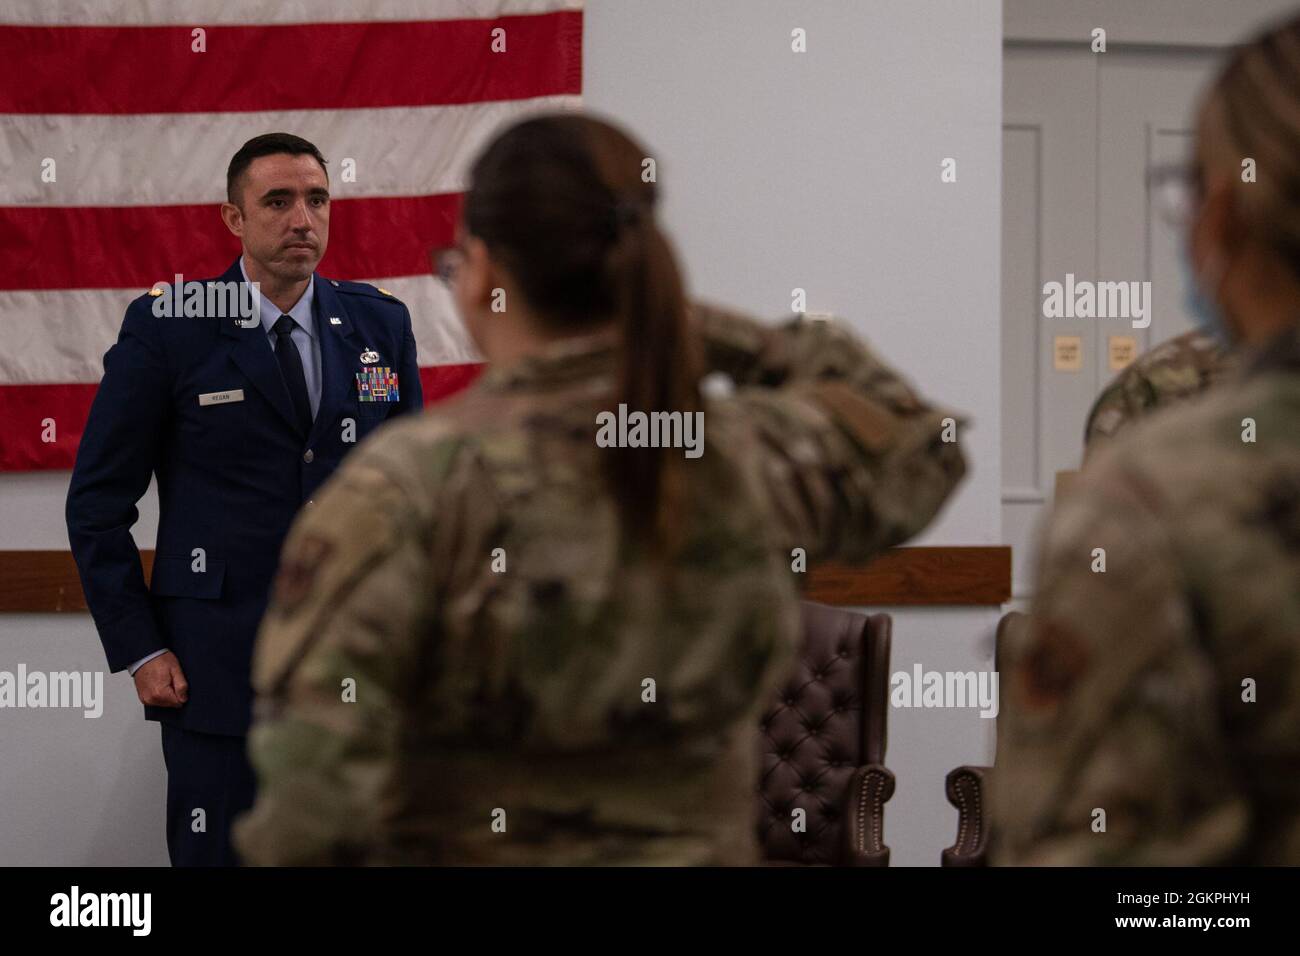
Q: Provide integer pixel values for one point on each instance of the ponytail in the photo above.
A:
(659, 373)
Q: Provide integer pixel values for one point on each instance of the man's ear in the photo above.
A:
(479, 272)
(233, 218)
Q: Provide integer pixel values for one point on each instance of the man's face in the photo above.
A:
(283, 217)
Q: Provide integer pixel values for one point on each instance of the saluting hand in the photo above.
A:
(161, 682)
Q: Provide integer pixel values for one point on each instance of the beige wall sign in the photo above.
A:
(1067, 353)
(1122, 350)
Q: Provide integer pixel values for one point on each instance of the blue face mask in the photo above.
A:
(1205, 312)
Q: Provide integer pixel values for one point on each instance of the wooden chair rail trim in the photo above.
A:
(46, 582)
(918, 576)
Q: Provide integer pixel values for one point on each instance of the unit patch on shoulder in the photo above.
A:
(298, 570)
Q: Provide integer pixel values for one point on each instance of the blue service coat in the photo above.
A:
(231, 477)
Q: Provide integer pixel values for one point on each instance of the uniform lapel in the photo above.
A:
(340, 352)
(252, 353)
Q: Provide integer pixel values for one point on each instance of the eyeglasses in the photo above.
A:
(446, 261)
(1174, 192)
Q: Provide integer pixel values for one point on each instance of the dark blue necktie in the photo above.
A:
(291, 368)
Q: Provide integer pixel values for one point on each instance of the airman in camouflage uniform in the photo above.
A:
(466, 662)
(1162, 690)
(1173, 371)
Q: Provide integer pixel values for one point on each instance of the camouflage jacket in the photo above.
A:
(456, 665)
(1180, 368)
(1159, 698)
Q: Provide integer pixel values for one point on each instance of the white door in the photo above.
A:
(1081, 130)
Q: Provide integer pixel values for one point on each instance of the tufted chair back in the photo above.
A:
(822, 745)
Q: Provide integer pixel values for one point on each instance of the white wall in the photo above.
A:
(1178, 22)
(77, 791)
(74, 791)
(821, 171)
(818, 170)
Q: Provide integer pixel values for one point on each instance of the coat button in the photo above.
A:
(309, 456)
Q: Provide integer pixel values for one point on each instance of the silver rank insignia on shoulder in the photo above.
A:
(335, 320)
(369, 357)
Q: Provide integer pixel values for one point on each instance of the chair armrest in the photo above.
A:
(864, 816)
(965, 787)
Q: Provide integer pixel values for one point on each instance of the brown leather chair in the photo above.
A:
(822, 745)
(967, 787)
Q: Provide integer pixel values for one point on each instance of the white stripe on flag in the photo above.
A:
(164, 159)
(61, 336)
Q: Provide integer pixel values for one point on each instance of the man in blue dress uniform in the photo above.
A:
(242, 405)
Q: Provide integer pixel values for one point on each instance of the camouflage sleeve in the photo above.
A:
(1171, 372)
(1121, 403)
(1111, 750)
(855, 461)
(333, 663)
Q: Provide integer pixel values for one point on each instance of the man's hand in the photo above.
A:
(161, 682)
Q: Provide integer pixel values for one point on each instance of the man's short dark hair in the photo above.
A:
(268, 144)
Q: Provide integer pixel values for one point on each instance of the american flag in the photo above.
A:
(119, 118)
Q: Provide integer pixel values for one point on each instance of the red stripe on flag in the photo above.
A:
(24, 409)
(442, 381)
(113, 70)
(132, 247)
